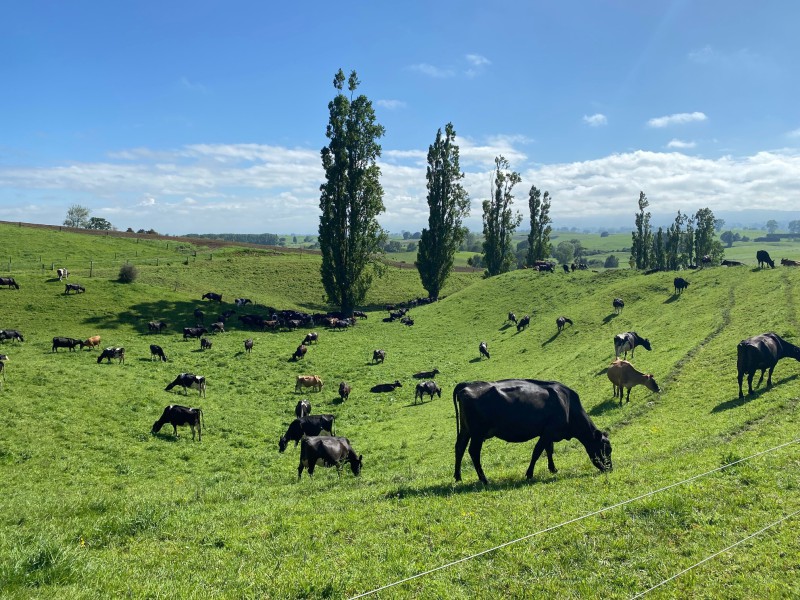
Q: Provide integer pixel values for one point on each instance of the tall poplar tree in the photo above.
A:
(642, 241)
(539, 237)
(350, 238)
(499, 223)
(448, 203)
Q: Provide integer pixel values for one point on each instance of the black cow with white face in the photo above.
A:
(327, 451)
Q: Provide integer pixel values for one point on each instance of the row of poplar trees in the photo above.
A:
(685, 242)
(350, 238)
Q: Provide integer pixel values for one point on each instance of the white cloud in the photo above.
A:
(595, 120)
(676, 119)
(680, 144)
(432, 71)
(794, 134)
(476, 60)
(391, 104)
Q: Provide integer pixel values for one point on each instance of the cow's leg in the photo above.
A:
(475, 454)
(300, 471)
(750, 382)
(461, 445)
(627, 398)
(551, 466)
(537, 452)
(175, 430)
(769, 376)
(760, 379)
(739, 377)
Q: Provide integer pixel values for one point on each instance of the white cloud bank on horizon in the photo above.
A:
(206, 188)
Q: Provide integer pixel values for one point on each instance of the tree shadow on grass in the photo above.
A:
(757, 393)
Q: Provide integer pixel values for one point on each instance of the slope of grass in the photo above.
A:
(93, 505)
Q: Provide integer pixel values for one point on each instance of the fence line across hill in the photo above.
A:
(592, 514)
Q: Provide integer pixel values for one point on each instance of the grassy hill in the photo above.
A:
(95, 506)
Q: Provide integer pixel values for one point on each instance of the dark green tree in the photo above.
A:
(448, 204)
(658, 256)
(499, 222)
(704, 242)
(729, 237)
(672, 243)
(351, 198)
(642, 241)
(772, 226)
(539, 237)
(99, 223)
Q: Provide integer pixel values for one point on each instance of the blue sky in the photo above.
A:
(209, 116)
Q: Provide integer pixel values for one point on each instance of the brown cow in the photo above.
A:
(92, 342)
(344, 391)
(308, 381)
(623, 375)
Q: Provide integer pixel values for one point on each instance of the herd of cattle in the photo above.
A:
(514, 410)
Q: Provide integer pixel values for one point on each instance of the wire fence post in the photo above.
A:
(91, 268)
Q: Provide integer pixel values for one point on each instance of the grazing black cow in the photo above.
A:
(253, 320)
(308, 425)
(327, 452)
(248, 346)
(242, 301)
(762, 256)
(360, 314)
(109, 353)
(626, 342)
(566, 268)
(11, 334)
(10, 282)
(205, 344)
(427, 387)
(299, 353)
(618, 305)
(212, 296)
(344, 390)
(158, 326)
(680, 284)
(65, 342)
(761, 352)
(303, 409)
(518, 410)
(311, 337)
(732, 263)
(74, 287)
(484, 350)
(62, 274)
(157, 352)
(218, 327)
(189, 380)
(561, 322)
(193, 332)
(523, 323)
(408, 321)
(199, 315)
(426, 374)
(176, 415)
(378, 356)
(512, 317)
(788, 262)
(385, 387)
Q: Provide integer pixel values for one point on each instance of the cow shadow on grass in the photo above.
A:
(475, 360)
(505, 326)
(552, 338)
(609, 318)
(672, 298)
(474, 486)
(604, 407)
(166, 437)
(757, 393)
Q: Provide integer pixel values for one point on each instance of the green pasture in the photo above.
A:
(93, 505)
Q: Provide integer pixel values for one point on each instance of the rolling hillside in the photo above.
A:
(95, 506)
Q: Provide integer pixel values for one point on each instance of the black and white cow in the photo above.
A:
(157, 352)
(176, 415)
(626, 342)
(157, 326)
(242, 301)
(112, 352)
(212, 296)
(11, 334)
(378, 356)
(427, 387)
(248, 346)
(189, 380)
(205, 344)
(618, 305)
(308, 425)
(303, 409)
(484, 350)
(10, 282)
(74, 287)
(62, 274)
(327, 452)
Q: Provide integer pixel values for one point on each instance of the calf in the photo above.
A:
(788, 262)
(65, 342)
(157, 352)
(176, 415)
(680, 284)
(299, 353)
(189, 380)
(248, 346)
(561, 322)
(212, 296)
(303, 409)
(11, 334)
(157, 326)
(193, 332)
(623, 375)
(92, 342)
(378, 356)
(327, 452)
(306, 381)
(427, 387)
(109, 353)
(426, 374)
(523, 322)
(309, 425)
(732, 263)
(74, 287)
(385, 387)
(484, 350)
(205, 344)
(311, 337)
(344, 390)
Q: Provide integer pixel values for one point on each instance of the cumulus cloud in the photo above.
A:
(476, 60)
(794, 134)
(432, 71)
(676, 119)
(391, 104)
(680, 144)
(595, 120)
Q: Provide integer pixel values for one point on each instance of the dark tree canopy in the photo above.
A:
(99, 223)
(448, 204)
(539, 237)
(351, 198)
(499, 222)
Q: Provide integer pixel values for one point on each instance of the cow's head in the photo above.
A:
(645, 344)
(599, 450)
(282, 443)
(355, 465)
(651, 384)
(156, 427)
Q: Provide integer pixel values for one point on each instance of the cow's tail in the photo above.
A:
(456, 391)
(202, 419)
(333, 426)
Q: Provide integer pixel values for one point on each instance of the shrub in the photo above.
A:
(128, 273)
(612, 262)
